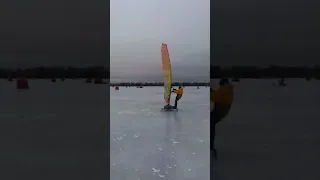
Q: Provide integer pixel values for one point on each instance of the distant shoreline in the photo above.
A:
(106, 82)
(242, 72)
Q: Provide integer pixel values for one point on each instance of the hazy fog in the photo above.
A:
(139, 27)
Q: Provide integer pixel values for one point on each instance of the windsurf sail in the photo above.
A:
(166, 69)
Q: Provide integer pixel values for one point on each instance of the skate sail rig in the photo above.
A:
(166, 69)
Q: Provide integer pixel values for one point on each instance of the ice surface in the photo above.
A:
(271, 132)
(58, 131)
(147, 143)
(54, 131)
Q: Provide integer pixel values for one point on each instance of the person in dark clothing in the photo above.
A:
(222, 99)
(179, 93)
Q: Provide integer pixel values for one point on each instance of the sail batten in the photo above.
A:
(166, 69)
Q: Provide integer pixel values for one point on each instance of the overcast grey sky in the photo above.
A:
(53, 32)
(137, 29)
(76, 32)
(264, 32)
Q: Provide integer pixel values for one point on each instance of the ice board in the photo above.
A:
(169, 109)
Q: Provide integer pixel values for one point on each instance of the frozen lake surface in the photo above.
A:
(149, 144)
(54, 131)
(61, 131)
(270, 133)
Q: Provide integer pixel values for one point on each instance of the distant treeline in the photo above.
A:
(267, 72)
(215, 72)
(174, 84)
(57, 72)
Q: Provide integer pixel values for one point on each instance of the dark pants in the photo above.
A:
(214, 119)
(177, 99)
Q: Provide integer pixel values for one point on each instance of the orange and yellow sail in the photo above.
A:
(166, 69)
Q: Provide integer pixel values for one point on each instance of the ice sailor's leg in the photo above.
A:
(213, 122)
(176, 101)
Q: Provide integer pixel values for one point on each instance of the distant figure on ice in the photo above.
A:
(179, 93)
(282, 82)
(22, 83)
(98, 80)
(234, 79)
(89, 80)
(221, 100)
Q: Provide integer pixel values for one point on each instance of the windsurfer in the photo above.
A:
(222, 99)
(179, 93)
